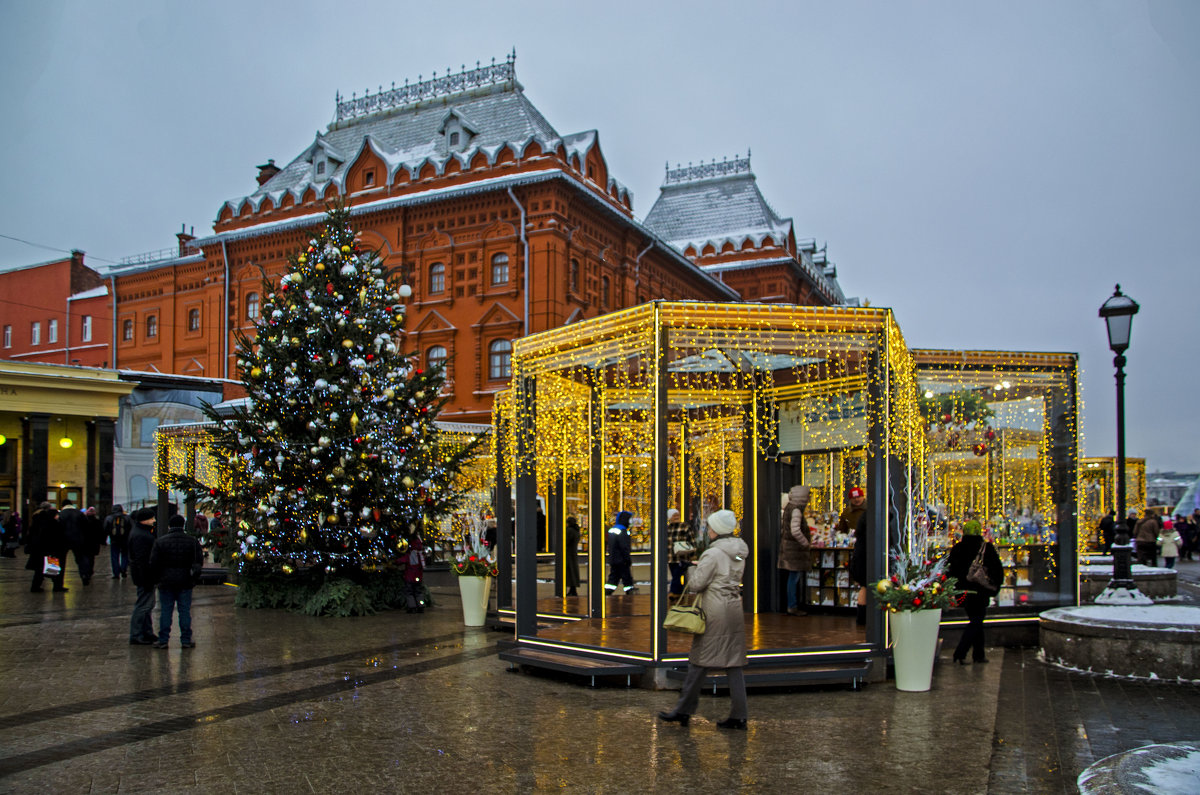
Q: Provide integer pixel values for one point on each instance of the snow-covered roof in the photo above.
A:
(95, 292)
(719, 204)
(715, 203)
(406, 128)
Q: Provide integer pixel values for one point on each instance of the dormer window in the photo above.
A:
(320, 168)
(454, 139)
(368, 179)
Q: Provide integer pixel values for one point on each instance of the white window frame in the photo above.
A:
(8, 336)
(500, 261)
(52, 331)
(85, 328)
(35, 333)
(437, 278)
(499, 359)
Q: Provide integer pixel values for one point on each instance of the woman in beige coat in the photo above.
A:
(717, 577)
(794, 544)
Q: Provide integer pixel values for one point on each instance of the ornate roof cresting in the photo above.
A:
(692, 173)
(424, 90)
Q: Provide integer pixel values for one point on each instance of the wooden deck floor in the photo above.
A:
(627, 626)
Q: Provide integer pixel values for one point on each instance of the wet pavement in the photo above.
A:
(276, 702)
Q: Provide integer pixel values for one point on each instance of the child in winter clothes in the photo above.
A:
(1170, 541)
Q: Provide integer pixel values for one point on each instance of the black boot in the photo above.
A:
(860, 615)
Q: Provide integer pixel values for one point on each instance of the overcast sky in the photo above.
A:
(989, 170)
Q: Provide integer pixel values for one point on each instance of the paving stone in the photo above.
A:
(276, 702)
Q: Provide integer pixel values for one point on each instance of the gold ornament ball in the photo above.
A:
(320, 266)
(255, 372)
(347, 343)
(332, 518)
(345, 249)
(302, 258)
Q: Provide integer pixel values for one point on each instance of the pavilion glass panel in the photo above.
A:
(1002, 439)
(692, 406)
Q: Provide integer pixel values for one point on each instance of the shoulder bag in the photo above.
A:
(978, 572)
(686, 617)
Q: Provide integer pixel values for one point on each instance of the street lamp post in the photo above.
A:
(1118, 312)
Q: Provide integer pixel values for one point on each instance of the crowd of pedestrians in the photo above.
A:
(170, 562)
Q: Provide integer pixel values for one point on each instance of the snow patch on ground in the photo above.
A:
(1109, 674)
(1180, 774)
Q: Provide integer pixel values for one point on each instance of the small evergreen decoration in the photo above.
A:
(336, 459)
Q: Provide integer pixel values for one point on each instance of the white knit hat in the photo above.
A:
(723, 523)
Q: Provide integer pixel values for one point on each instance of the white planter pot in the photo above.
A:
(914, 634)
(475, 592)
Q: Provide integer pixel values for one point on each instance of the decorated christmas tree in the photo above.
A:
(335, 461)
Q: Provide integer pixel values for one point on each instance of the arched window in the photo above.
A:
(193, 320)
(437, 278)
(574, 281)
(127, 330)
(499, 360)
(500, 269)
(605, 292)
(252, 306)
(435, 356)
(151, 325)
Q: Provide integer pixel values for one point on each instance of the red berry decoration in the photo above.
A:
(990, 434)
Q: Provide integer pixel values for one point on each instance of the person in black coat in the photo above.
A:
(141, 542)
(46, 540)
(620, 555)
(176, 560)
(1108, 528)
(79, 540)
(977, 596)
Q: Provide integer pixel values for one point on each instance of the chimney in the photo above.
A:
(265, 172)
(76, 257)
(184, 237)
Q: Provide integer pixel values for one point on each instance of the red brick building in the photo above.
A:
(503, 225)
(56, 312)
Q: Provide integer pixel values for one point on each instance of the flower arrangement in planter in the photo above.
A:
(918, 582)
(474, 560)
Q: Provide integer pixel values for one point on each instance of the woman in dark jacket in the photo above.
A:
(977, 596)
(46, 540)
(571, 564)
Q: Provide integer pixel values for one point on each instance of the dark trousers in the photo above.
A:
(414, 591)
(678, 570)
(689, 696)
(619, 573)
(39, 575)
(86, 564)
(1147, 552)
(171, 600)
(120, 560)
(972, 637)
(141, 626)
